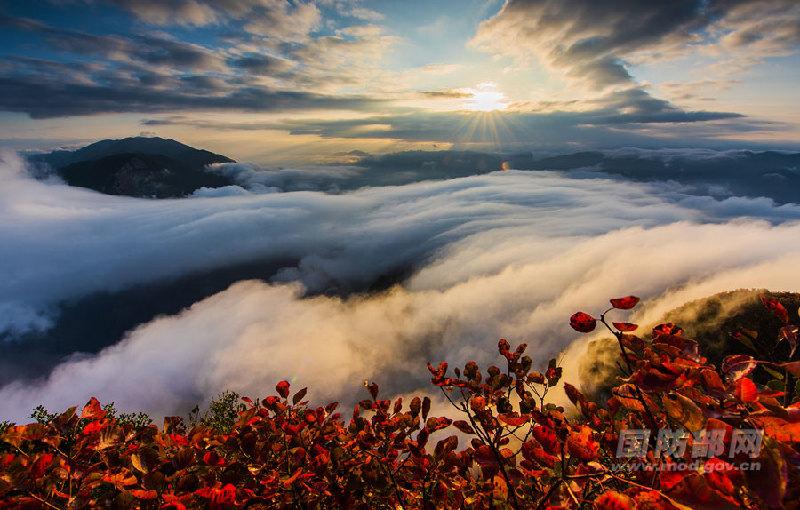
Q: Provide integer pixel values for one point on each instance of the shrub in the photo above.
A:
(506, 446)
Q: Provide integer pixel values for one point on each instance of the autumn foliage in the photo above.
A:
(505, 444)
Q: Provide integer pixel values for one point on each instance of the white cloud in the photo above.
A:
(505, 254)
(224, 191)
(253, 334)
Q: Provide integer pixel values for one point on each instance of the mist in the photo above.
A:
(508, 254)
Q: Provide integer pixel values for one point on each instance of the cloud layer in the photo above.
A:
(274, 63)
(503, 254)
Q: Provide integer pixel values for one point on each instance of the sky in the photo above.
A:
(274, 81)
(360, 238)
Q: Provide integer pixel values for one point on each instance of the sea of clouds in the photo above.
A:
(509, 254)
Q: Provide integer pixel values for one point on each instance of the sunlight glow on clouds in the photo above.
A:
(485, 98)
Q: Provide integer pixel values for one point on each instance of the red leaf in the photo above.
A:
(503, 346)
(282, 388)
(625, 326)
(179, 439)
(547, 438)
(583, 322)
(435, 424)
(793, 367)
(657, 377)
(625, 303)
(415, 406)
(737, 366)
(668, 329)
(775, 306)
(211, 458)
(94, 427)
(144, 494)
(373, 390)
(532, 451)
(463, 426)
(574, 394)
(299, 396)
(746, 390)
(553, 373)
(438, 374)
(613, 500)
(41, 465)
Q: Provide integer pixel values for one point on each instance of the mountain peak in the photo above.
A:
(137, 166)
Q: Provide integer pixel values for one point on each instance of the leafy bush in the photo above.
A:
(221, 414)
(506, 446)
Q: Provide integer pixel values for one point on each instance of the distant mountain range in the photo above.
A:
(140, 166)
(772, 174)
(162, 168)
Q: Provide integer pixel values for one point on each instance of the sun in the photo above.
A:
(485, 98)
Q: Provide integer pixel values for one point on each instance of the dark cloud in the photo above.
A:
(155, 50)
(52, 99)
(262, 65)
(165, 12)
(181, 120)
(446, 94)
(596, 40)
(590, 39)
(280, 20)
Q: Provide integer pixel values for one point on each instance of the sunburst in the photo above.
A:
(485, 97)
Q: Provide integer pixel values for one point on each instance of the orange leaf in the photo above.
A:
(500, 490)
(581, 444)
(92, 410)
(514, 421)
